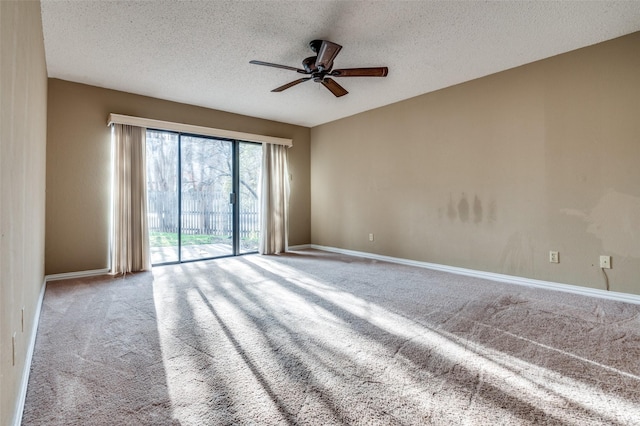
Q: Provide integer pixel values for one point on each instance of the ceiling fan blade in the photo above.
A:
(293, 83)
(361, 72)
(327, 53)
(284, 67)
(334, 87)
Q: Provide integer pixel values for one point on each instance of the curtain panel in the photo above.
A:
(130, 234)
(274, 205)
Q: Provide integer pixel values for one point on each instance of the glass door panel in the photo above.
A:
(249, 170)
(203, 196)
(162, 193)
(206, 204)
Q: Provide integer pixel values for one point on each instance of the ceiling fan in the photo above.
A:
(319, 68)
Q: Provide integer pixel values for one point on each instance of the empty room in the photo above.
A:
(320, 212)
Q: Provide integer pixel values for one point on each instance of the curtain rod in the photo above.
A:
(199, 130)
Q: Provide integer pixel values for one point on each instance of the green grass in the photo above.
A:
(169, 239)
(162, 239)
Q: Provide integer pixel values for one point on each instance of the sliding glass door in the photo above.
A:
(203, 196)
(206, 198)
(249, 171)
(163, 202)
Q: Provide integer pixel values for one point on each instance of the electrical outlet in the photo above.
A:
(554, 257)
(605, 262)
(370, 237)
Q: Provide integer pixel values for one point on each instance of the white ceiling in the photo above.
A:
(198, 52)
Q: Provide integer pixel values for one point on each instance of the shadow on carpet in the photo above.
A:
(314, 338)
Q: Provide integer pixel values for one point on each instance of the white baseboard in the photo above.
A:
(511, 279)
(80, 274)
(22, 391)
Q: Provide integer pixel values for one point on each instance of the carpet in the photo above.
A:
(316, 338)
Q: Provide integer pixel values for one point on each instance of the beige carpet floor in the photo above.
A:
(314, 338)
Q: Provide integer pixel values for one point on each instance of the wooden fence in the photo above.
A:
(203, 213)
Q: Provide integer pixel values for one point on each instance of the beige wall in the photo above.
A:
(78, 166)
(493, 174)
(23, 94)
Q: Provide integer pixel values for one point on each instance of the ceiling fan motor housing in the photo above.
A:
(309, 64)
(314, 45)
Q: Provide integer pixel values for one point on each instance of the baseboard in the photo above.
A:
(79, 274)
(511, 279)
(22, 391)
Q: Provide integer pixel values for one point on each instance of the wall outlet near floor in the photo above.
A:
(554, 257)
(605, 262)
(370, 237)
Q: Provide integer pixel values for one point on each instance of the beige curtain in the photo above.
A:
(274, 205)
(130, 234)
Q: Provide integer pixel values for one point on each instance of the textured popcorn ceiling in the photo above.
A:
(198, 52)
